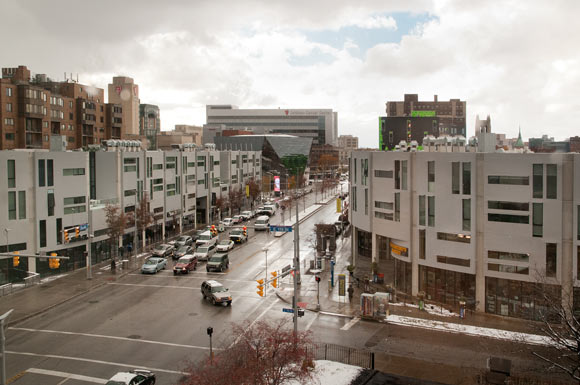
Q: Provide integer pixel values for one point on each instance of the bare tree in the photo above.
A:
(235, 197)
(222, 204)
(264, 354)
(255, 190)
(116, 224)
(142, 218)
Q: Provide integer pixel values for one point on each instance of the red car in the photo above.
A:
(185, 264)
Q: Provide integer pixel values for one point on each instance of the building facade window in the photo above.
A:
(523, 219)
(551, 181)
(49, 173)
(453, 261)
(461, 238)
(11, 205)
(354, 205)
(431, 211)
(510, 180)
(73, 171)
(8, 107)
(366, 201)
(446, 286)
(384, 205)
(466, 216)
(538, 181)
(422, 244)
(11, 166)
(455, 178)
(404, 174)
(504, 205)
(42, 233)
(386, 216)
(50, 202)
(397, 175)
(21, 204)
(41, 173)
(466, 178)
(508, 256)
(431, 176)
(383, 174)
(537, 219)
(397, 207)
(59, 231)
(422, 210)
(551, 259)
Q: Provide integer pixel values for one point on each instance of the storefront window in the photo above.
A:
(365, 244)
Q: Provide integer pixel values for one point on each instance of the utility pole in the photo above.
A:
(89, 244)
(265, 250)
(296, 272)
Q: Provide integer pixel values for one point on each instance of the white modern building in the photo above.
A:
(52, 200)
(321, 125)
(484, 228)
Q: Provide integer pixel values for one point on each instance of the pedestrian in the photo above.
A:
(113, 265)
(350, 292)
(129, 248)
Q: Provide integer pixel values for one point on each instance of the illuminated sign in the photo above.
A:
(276, 183)
(399, 250)
(422, 114)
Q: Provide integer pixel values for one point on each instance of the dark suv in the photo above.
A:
(218, 262)
(216, 293)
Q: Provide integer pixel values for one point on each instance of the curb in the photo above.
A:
(318, 310)
(32, 315)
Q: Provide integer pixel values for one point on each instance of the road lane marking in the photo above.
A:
(350, 324)
(171, 287)
(109, 337)
(311, 322)
(204, 277)
(96, 362)
(254, 321)
(67, 376)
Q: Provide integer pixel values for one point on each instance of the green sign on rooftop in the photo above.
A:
(422, 114)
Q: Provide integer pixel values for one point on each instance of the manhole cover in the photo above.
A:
(192, 314)
(134, 337)
(94, 301)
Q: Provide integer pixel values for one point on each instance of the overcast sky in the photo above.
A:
(515, 60)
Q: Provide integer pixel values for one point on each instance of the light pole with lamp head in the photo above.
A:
(6, 230)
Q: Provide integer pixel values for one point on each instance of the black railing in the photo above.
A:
(344, 354)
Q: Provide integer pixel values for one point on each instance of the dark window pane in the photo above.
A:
(538, 219)
(11, 205)
(21, 204)
(454, 237)
(41, 173)
(551, 259)
(455, 178)
(503, 205)
(422, 210)
(467, 215)
(431, 211)
(11, 173)
(552, 181)
(508, 218)
(511, 180)
(538, 182)
(49, 173)
(42, 233)
(467, 178)
(397, 175)
(421, 244)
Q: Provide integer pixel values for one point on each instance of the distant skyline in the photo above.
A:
(513, 60)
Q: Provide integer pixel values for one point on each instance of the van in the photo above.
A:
(218, 262)
(262, 223)
(206, 239)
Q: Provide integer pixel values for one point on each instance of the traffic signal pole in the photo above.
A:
(296, 272)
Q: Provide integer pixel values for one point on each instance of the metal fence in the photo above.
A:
(344, 354)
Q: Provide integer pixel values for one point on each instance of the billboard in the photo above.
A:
(277, 183)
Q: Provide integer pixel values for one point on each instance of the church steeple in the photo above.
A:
(519, 142)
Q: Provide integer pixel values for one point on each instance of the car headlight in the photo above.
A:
(218, 300)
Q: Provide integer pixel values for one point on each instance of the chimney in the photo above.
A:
(435, 98)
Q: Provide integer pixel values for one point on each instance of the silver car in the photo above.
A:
(153, 264)
(203, 253)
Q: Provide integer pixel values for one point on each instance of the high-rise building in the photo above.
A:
(346, 143)
(412, 119)
(149, 123)
(125, 92)
(321, 125)
(35, 108)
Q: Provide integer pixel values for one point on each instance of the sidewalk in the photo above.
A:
(53, 291)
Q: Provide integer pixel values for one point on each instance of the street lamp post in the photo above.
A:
(3, 343)
(6, 230)
(265, 250)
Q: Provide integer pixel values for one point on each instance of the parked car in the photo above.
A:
(163, 250)
(247, 215)
(183, 250)
(153, 264)
(225, 245)
(185, 264)
(269, 210)
(228, 222)
(134, 377)
(184, 240)
(238, 219)
(239, 235)
(216, 293)
(207, 238)
(195, 235)
(219, 262)
(262, 223)
(203, 253)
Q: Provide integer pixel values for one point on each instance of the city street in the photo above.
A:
(159, 322)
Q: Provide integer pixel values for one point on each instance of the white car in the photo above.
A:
(228, 222)
(225, 245)
(134, 377)
(247, 215)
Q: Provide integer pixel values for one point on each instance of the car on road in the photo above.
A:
(219, 262)
(262, 223)
(184, 240)
(185, 264)
(239, 235)
(195, 235)
(268, 210)
(225, 245)
(247, 215)
(216, 293)
(203, 253)
(153, 264)
(238, 219)
(228, 222)
(163, 250)
(134, 377)
(207, 238)
(183, 250)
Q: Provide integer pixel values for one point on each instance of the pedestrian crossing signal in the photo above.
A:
(275, 280)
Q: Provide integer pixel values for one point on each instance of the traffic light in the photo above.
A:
(77, 231)
(53, 263)
(300, 312)
(260, 287)
(16, 260)
(66, 236)
(275, 281)
(245, 230)
(317, 278)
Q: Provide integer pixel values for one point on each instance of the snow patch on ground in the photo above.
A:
(479, 331)
(431, 309)
(332, 373)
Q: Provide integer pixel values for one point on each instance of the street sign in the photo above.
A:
(286, 310)
(84, 226)
(274, 229)
(286, 268)
(341, 285)
(302, 304)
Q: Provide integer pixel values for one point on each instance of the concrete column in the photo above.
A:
(413, 230)
(354, 242)
(375, 251)
(479, 178)
(32, 264)
(566, 270)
